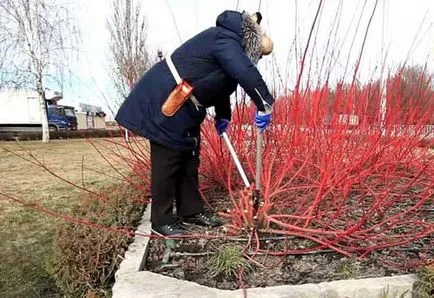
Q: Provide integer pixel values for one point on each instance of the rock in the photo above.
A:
(178, 273)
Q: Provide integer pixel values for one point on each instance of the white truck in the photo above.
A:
(21, 111)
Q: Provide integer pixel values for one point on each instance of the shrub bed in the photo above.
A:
(85, 257)
(74, 134)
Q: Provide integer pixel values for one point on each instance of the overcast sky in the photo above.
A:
(402, 28)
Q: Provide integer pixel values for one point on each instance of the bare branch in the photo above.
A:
(128, 51)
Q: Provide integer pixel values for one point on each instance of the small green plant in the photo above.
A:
(424, 287)
(349, 270)
(229, 262)
(385, 293)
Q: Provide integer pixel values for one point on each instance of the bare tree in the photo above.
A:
(4, 52)
(129, 55)
(10, 75)
(41, 35)
(3, 73)
(412, 89)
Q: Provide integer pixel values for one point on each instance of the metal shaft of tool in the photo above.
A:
(258, 160)
(236, 160)
(257, 192)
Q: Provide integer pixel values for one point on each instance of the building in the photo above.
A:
(90, 117)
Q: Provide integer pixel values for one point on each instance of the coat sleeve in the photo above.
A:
(232, 58)
(223, 108)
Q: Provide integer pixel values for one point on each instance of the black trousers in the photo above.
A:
(174, 176)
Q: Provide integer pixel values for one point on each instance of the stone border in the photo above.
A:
(135, 256)
(132, 282)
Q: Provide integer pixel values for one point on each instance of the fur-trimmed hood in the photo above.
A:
(245, 27)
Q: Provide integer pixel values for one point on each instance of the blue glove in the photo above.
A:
(262, 120)
(221, 125)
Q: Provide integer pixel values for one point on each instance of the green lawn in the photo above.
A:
(25, 234)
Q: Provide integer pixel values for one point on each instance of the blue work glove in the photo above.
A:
(221, 125)
(262, 120)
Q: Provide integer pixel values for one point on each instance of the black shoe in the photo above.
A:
(202, 220)
(168, 230)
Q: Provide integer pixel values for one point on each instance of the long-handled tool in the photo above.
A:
(256, 192)
(236, 160)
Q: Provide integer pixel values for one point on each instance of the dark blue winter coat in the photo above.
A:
(213, 62)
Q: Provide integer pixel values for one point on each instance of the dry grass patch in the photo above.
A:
(26, 235)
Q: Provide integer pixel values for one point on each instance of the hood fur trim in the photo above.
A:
(252, 34)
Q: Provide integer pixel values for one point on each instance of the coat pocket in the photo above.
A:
(197, 114)
(175, 126)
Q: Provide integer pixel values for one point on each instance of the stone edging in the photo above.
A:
(135, 256)
(132, 282)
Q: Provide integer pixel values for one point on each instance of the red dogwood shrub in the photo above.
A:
(333, 173)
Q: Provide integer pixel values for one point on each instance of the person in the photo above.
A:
(212, 63)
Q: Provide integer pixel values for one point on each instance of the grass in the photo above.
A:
(386, 293)
(229, 262)
(425, 284)
(26, 235)
(349, 269)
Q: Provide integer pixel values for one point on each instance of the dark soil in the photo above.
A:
(189, 259)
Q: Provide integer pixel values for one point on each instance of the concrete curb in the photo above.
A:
(135, 256)
(132, 282)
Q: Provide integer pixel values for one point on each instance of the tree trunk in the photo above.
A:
(44, 113)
